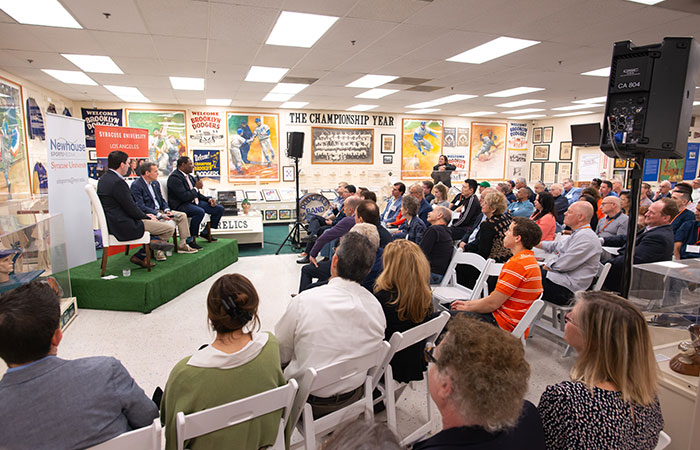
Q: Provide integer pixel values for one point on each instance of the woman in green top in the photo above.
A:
(239, 363)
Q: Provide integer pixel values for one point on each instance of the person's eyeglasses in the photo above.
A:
(429, 355)
(568, 319)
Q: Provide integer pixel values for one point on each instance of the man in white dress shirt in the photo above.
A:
(336, 322)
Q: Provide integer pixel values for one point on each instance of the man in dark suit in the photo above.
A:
(653, 244)
(147, 195)
(184, 196)
(424, 207)
(124, 218)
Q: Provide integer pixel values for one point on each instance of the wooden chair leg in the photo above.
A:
(148, 256)
(127, 251)
(105, 251)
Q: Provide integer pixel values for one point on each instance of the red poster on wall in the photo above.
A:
(132, 141)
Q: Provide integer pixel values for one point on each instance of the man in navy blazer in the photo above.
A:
(184, 196)
(53, 403)
(148, 197)
(653, 244)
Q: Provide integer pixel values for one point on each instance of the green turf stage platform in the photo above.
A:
(144, 291)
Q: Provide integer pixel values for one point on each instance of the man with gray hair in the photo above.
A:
(664, 191)
(416, 191)
(437, 243)
(332, 323)
(561, 203)
(370, 231)
(571, 192)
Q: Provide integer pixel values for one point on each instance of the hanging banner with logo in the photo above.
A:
(207, 163)
(691, 161)
(651, 170)
(105, 117)
(207, 128)
(132, 141)
(68, 175)
(517, 136)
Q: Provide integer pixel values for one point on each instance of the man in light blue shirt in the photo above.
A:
(393, 205)
(571, 192)
(522, 207)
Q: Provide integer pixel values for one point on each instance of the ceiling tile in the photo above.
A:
(180, 48)
(124, 16)
(64, 40)
(125, 44)
(243, 24)
(184, 18)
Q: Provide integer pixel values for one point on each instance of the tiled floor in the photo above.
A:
(149, 345)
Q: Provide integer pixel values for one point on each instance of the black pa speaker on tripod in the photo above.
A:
(295, 144)
(295, 150)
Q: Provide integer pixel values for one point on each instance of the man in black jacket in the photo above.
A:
(469, 209)
(124, 218)
(184, 196)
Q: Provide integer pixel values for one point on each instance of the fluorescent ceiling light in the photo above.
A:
(575, 107)
(423, 111)
(295, 29)
(529, 116)
(647, 2)
(94, 64)
(187, 84)
(376, 93)
(70, 76)
(371, 81)
(442, 101)
(479, 114)
(515, 104)
(361, 107)
(49, 13)
(591, 100)
(696, 103)
(218, 101)
(523, 111)
(577, 113)
(128, 94)
(293, 104)
(289, 88)
(515, 91)
(262, 74)
(491, 50)
(273, 97)
(604, 72)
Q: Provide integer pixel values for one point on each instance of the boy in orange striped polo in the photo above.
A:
(519, 284)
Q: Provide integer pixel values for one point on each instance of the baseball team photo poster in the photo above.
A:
(488, 151)
(167, 135)
(421, 145)
(253, 146)
(14, 163)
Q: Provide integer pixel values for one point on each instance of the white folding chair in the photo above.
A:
(602, 275)
(532, 313)
(664, 441)
(391, 388)
(203, 422)
(491, 270)
(326, 377)
(109, 240)
(146, 438)
(449, 290)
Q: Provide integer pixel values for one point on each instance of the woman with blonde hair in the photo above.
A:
(440, 193)
(239, 363)
(612, 400)
(403, 290)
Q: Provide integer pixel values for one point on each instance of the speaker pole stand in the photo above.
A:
(295, 232)
(627, 268)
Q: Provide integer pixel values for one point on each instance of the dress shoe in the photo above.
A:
(303, 260)
(207, 237)
(160, 255)
(140, 262)
(194, 245)
(157, 244)
(186, 249)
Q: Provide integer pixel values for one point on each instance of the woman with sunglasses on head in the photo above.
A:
(239, 363)
(611, 402)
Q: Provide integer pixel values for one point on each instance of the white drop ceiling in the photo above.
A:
(219, 40)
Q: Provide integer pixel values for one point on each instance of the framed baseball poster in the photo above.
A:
(421, 145)
(253, 146)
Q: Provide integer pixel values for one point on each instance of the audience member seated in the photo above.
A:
(332, 323)
(478, 379)
(424, 208)
(369, 231)
(617, 186)
(625, 202)
(641, 218)
(575, 260)
(695, 184)
(488, 242)
(393, 204)
(53, 403)
(322, 270)
(240, 362)
(184, 196)
(440, 196)
(413, 228)
(149, 198)
(689, 233)
(519, 283)
(362, 434)
(521, 183)
(646, 195)
(606, 189)
(124, 218)
(404, 293)
(522, 207)
(544, 215)
(482, 186)
(571, 192)
(615, 221)
(317, 224)
(664, 191)
(595, 202)
(561, 203)
(681, 194)
(467, 205)
(595, 183)
(437, 243)
(368, 212)
(654, 244)
(539, 187)
(612, 398)
(510, 196)
(428, 190)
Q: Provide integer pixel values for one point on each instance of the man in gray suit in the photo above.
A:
(53, 403)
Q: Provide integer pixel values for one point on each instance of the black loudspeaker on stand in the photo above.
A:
(295, 150)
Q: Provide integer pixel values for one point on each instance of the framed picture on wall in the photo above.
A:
(548, 133)
(285, 214)
(388, 159)
(388, 141)
(564, 171)
(549, 172)
(535, 171)
(92, 155)
(288, 173)
(620, 175)
(620, 163)
(565, 151)
(253, 196)
(270, 214)
(540, 152)
(537, 135)
(270, 195)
